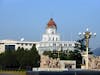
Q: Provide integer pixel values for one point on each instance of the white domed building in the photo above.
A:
(50, 41)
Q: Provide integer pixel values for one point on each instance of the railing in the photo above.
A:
(49, 69)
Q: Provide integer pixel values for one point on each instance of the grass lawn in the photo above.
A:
(13, 72)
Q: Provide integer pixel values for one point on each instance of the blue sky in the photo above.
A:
(28, 18)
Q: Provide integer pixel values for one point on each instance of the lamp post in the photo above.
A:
(87, 35)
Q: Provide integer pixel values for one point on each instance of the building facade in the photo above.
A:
(13, 45)
(50, 41)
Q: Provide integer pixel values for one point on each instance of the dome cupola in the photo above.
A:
(51, 24)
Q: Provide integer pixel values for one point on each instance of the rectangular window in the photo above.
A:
(54, 44)
(70, 45)
(26, 44)
(9, 47)
(22, 44)
(65, 45)
(30, 44)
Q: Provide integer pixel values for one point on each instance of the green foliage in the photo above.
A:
(82, 46)
(19, 59)
(35, 57)
(8, 59)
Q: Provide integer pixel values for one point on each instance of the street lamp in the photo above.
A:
(87, 35)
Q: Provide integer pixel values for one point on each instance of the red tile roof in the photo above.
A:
(51, 24)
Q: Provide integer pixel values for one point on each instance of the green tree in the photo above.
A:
(20, 52)
(8, 60)
(82, 46)
(20, 59)
(35, 57)
(28, 58)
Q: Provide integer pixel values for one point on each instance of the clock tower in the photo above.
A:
(51, 32)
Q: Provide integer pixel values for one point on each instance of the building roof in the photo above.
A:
(51, 24)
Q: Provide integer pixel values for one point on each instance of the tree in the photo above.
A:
(82, 46)
(8, 60)
(20, 52)
(35, 57)
(20, 59)
(76, 55)
(28, 58)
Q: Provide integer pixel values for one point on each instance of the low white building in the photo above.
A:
(50, 41)
(13, 45)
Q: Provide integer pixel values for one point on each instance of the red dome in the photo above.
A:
(51, 24)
